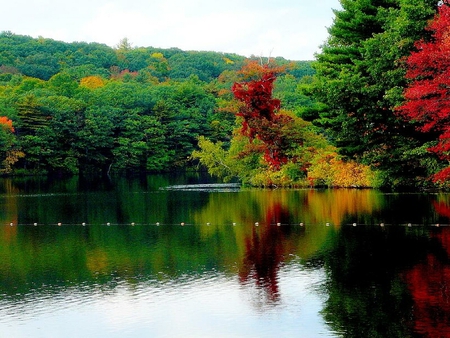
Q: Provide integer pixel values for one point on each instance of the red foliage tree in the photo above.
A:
(260, 111)
(428, 96)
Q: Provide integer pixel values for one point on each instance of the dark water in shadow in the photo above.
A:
(160, 257)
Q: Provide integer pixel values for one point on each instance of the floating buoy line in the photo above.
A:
(256, 224)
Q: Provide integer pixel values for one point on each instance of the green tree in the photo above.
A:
(31, 116)
(96, 139)
(185, 110)
(359, 78)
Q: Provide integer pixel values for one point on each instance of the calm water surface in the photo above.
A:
(165, 257)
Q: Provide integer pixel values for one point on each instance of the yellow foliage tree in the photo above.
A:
(92, 82)
(157, 55)
(228, 61)
(12, 156)
(328, 169)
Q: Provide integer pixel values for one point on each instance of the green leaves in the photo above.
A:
(360, 78)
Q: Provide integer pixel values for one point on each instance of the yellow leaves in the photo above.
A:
(157, 55)
(213, 156)
(92, 82)
(12, 156)
(353, 174)
(328, 169)
(228, 61)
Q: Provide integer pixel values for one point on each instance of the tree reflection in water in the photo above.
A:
(367, 297)
(265, 250)
(429, 282)
(389, 281)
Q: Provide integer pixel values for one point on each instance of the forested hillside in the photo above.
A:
(85, 107)
(371, 111)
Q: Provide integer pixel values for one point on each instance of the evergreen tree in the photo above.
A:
(360, 80)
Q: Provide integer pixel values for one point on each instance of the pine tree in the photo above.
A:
(360, 80)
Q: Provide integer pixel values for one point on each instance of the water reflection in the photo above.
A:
(429, 284)
(246, 260)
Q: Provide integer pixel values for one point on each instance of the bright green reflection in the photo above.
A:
(219, 231)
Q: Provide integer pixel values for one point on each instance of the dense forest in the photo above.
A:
(371, 110)
(76, 108)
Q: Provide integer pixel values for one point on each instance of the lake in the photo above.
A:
(179, 256)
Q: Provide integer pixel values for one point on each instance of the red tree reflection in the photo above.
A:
(442, 208)
(429, 284)
(265, 249)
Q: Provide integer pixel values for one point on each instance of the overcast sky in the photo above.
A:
(293, 29)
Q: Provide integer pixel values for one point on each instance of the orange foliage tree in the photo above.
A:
(6, 124)
(9, 153)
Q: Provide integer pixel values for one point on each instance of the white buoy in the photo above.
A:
(256, 223)
(11, 224)
(301, 224)
(328, 224)
(182, 224)
(278, 224)
(208, 224)
(108, 224)
(132, 224)
(59, 224)
(83, 224)
(354, 224)
(381, 224)
(409, 224)
(35, 224)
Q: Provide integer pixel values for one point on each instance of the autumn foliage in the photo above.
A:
(332, 171)
(428, 283)
(259, 111)
(273, 147)
(427, 97)
(9, 154)
(92, 82)
(6, 124)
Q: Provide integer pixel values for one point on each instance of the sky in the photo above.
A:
(293, 29)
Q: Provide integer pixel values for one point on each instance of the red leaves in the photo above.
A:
(259, 111)
(442, 176)
(428, 96)
(257, 97)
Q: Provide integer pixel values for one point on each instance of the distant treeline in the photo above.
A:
(43, 58)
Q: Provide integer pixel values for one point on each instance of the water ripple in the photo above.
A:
(206, 304)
